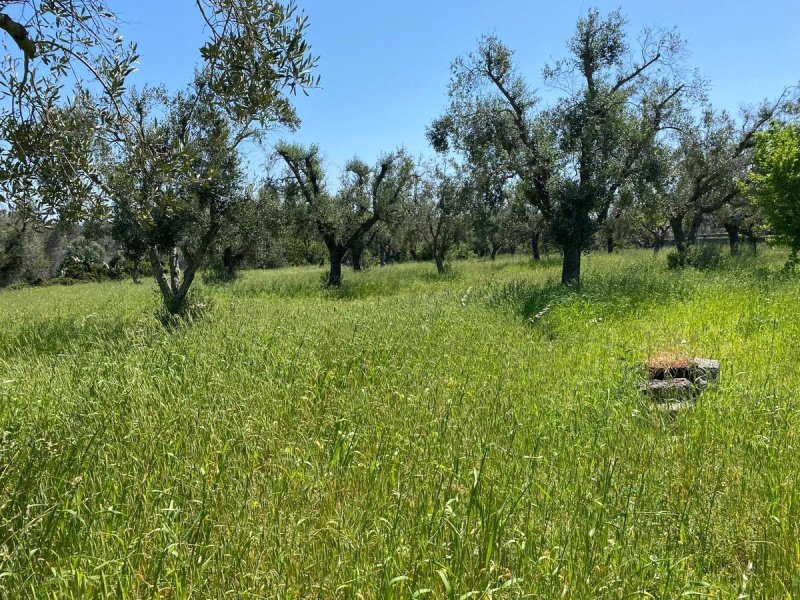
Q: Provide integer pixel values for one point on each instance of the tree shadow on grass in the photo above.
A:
(370, 283)
(357, 288)
(54, 336)
(626, 292)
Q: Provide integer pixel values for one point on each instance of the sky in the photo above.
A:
(384, 66)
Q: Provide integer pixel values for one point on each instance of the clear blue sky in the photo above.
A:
(385, 65)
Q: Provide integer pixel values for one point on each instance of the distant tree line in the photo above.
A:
(111, 181)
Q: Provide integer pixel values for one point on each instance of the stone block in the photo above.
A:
(665, 390)
(707, 369)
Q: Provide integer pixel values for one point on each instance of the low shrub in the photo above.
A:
(94, 272)
(22, 260)
(461, 252)
(676, 260)
(704, 258)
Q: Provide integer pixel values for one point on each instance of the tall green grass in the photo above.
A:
(406, 436)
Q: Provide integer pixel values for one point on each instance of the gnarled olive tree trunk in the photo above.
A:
(676, 223)
(733, 237)
(356, 255)
(536, 254)
(136, 270)
(571, 267)
(439, 252)
(174, 288)
(335, 256)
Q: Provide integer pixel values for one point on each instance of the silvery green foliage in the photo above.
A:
(56, 52)
(178, 177)
(367, 195)
(575, 158)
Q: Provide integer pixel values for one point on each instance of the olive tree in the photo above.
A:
(255, 56)
(712, 153)
(575, 156)
(441, 200)
(741, 217)
(367, 195)
(174, 187)
(524, 222)
(256, 233)
(180, 175)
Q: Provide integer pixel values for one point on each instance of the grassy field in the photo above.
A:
(408, 436)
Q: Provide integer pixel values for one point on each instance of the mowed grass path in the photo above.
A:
(407, 436)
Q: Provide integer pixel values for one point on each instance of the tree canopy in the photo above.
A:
(776, 181)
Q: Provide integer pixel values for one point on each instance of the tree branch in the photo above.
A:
(19, 34)
(635, 73)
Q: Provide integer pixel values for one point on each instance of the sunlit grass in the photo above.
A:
(407, 434)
